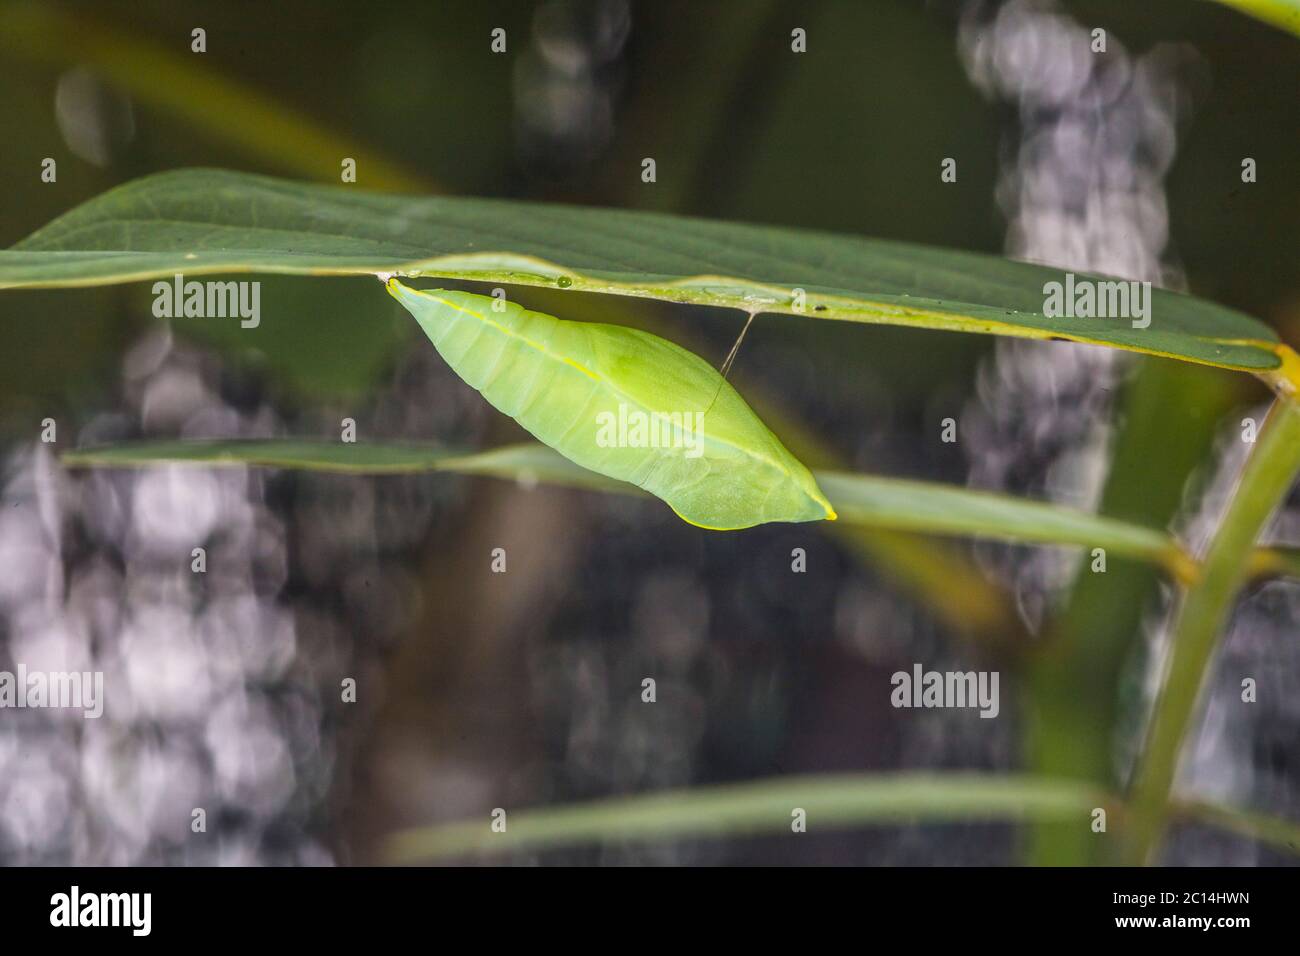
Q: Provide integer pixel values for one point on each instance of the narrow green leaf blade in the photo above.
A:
(861, 500)
(308, 455)
(208, 221)
(943, 509)
(527, 463)
(763, 807)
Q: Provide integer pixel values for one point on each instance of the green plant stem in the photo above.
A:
(1268, 563)
(1073, 711)
(1264, 482)
(1275, 831)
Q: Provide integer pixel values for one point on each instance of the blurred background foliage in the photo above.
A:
(479, 695)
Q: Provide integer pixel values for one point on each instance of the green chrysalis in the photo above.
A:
(623, 403)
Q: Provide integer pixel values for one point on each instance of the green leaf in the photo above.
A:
(763, 807)
(941, 509)
(1284, 14)
(859, 500)
(367, 459)
(205, 221)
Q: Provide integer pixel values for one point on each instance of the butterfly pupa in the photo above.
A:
(625, 404)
